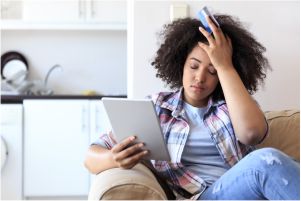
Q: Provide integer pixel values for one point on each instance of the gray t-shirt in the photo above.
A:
(200, 155)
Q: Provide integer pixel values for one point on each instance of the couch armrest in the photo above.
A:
(137, 183)
(284, 132)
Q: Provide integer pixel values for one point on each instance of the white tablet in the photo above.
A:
(137, 117)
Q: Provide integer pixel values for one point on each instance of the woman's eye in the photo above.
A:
(194, 66)
(212, 71)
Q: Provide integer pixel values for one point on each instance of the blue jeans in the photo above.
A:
(263, 174)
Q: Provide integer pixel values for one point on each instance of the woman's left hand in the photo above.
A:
(219, 49)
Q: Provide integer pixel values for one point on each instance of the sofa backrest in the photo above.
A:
(284, 132)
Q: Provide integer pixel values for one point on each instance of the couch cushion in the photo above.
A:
(284, 133)
(137, 183)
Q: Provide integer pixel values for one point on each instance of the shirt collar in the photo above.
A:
(175, 103)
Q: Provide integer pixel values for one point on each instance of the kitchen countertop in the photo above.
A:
(14, 99)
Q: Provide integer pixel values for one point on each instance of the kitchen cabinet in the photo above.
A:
(99, 121)
(57, 134)
(105, 11)
(11, 9)
(52, 11)
(66, 14)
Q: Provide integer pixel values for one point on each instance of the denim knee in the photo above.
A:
(267, 157)
(268, 151)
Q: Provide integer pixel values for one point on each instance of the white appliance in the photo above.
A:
(11, 151)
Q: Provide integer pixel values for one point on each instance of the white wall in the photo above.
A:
(276, 24)
(94, 60)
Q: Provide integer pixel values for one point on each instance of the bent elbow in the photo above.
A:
(88, 166)
(253, 136)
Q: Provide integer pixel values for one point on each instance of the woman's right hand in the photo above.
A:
(127, 156)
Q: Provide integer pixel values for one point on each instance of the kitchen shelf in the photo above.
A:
(62, 26)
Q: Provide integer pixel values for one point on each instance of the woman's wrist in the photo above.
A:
(110, 157)
(226, 69)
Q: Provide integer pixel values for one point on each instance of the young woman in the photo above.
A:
(211, 122)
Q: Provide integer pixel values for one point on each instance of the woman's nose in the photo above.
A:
(200, 76)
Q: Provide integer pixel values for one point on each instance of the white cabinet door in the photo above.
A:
(56, 136)
(11, 9)
(53, 11)
(107, 11)
(99, 121)
(64, 14)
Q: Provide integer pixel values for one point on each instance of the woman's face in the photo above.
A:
(199, 78)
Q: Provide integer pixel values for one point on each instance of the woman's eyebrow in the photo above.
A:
(193, 58)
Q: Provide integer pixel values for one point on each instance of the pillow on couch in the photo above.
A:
(284, 133)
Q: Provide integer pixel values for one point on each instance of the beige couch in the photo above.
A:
(140, 184)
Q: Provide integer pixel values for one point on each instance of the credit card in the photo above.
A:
(202, 16)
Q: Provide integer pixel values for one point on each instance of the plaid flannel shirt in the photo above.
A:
(169, 108)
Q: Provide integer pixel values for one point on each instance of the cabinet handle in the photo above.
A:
(96, 119)
(85, 119)
(80, 8)
(92, 8)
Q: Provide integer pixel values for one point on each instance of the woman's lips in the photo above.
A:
(198, 88)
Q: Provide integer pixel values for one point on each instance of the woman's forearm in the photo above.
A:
(247, 118)
(99, 159)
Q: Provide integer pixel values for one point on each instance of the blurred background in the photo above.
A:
(60, 57)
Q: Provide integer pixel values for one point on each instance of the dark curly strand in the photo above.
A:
(181, 36)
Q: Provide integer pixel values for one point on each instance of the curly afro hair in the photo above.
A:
(182, 35)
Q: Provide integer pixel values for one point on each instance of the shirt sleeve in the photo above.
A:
(106, 140)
